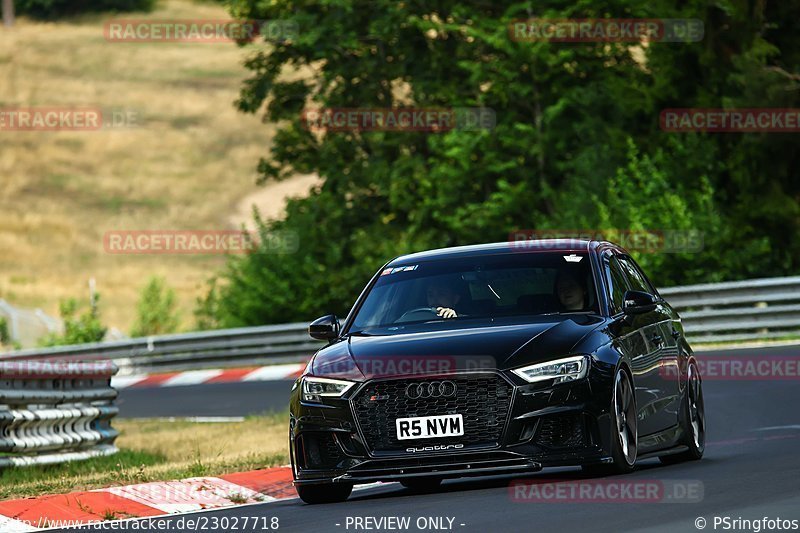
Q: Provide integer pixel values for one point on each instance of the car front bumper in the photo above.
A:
(544, 426)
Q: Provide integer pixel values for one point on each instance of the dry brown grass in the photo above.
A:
(187, 166)
(183, 442)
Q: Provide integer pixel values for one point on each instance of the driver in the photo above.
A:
(443, 298)
(570, 292)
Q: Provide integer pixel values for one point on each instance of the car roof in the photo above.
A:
(506, 247)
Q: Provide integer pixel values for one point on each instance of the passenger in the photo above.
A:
(570, 292)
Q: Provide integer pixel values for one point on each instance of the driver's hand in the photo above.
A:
(446, 312)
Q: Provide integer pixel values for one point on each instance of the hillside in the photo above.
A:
(188, 164)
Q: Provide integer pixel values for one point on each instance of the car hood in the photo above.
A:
(492, 347)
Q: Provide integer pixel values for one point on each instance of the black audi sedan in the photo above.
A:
(495, 359)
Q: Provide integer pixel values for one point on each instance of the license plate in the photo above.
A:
(426, 427)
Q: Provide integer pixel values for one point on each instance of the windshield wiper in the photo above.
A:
(584, 312)
(360, 333)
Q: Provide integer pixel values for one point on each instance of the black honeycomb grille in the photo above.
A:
(321, 451)
(562, 431)
(483, 400)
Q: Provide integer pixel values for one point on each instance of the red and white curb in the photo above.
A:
(199, 377)
(146, 500)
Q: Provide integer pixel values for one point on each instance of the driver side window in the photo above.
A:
(636, 279)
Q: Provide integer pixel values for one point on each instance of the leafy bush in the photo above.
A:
(155, 313)
(5, 335)
(78, 329)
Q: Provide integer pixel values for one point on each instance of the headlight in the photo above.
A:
(315, 388)
(560, 371)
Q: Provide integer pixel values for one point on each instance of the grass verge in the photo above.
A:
(157, 450)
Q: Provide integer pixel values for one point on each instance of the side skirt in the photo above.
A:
(671, 451)
(656, 443)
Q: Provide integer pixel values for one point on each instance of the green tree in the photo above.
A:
(577, 124)
(156, 311)
(206, 312)
(5, 335)
(640, 198)
(78, 329)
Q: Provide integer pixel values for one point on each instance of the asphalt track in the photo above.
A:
(751, 470)
(213, 399)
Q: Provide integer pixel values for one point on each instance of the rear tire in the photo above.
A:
(325, 493)
(424, 484)
(693, 420)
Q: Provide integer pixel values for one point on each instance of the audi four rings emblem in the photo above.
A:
(432, 389)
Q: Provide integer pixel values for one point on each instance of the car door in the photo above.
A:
(634, 340)
(655, 367)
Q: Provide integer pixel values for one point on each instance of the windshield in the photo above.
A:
(479, 288)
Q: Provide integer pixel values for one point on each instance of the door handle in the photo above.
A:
(657, 339)
(675, 334)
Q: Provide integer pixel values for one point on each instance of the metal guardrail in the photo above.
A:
(755, 309)
(53, 412)
(225, 348)
(716, 312)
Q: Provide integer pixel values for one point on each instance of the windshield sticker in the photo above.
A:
(395, 270)
(572, 258)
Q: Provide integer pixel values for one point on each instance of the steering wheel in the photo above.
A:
(424, 313)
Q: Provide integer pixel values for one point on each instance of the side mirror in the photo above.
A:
(638, 302)
(324, 328)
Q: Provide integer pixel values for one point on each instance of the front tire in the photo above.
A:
(624, 431)
(324, 493)
(693, 419)
(624, 437)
